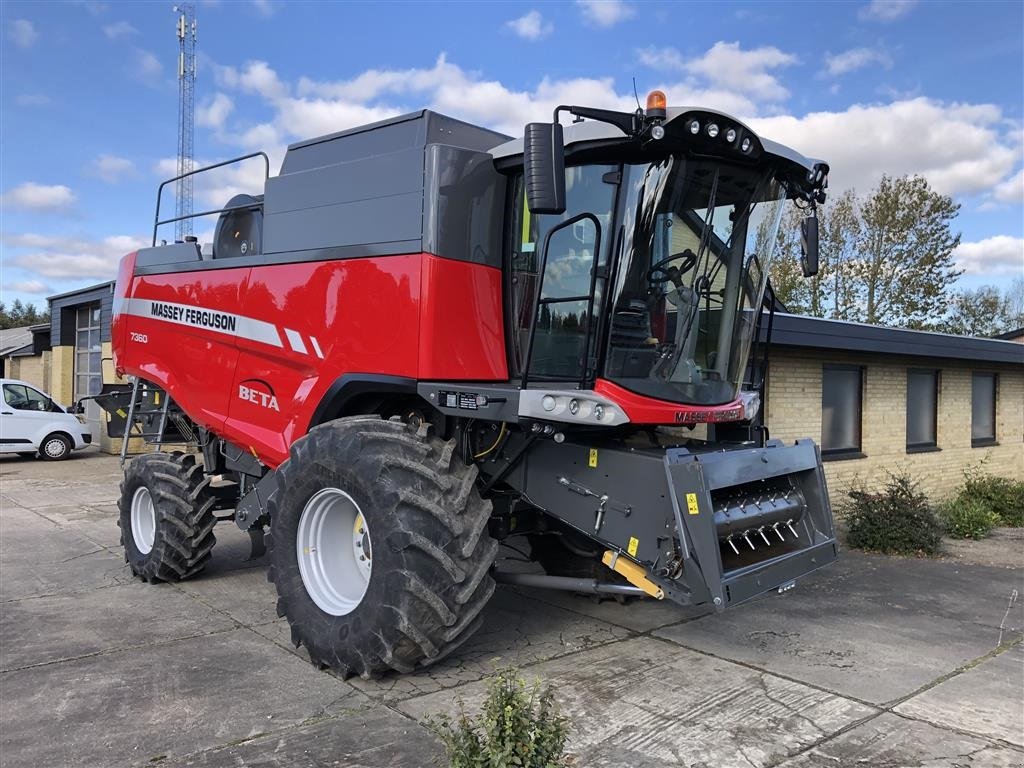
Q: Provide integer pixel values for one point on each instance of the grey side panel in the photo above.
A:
(172, 253)
(362, 179)
(389, 219)
(463, 205)
(379, 138)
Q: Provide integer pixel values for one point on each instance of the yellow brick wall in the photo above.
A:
(34, 369)
(62, 374)
(794, 411)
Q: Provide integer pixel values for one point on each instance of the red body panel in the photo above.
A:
(647, 410)
(298, 328)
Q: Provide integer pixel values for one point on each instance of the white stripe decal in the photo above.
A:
(214, 320)
(316, 347)
(295, 339)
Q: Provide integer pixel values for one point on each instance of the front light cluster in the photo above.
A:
(714, 127)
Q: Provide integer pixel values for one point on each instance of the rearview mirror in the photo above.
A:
(544, 167)
(809, 246)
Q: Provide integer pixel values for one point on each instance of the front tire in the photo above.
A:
(389, 490)
(166, 518)
(55, 447)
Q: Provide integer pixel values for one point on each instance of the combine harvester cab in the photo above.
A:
(423, 340)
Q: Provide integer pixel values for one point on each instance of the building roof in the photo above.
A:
(1011, 335)
(109, 285)
(12, 339)
(817, 333)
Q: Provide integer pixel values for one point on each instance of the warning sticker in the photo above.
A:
(691, 504)
(592, 463)
(634, 544)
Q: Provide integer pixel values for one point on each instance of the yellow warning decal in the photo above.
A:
(120, 412)
(691, 504)
(156, 398)
(593, 458)
(634, 543)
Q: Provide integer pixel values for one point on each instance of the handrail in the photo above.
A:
(160, 190)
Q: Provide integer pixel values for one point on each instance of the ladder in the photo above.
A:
(142, 412)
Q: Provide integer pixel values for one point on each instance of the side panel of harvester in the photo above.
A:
(376, 251)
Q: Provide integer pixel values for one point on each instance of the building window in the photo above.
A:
(841, 400)
(88, 366)
(983, 409)
(922, 404)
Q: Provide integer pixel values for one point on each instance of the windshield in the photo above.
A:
(697, 236)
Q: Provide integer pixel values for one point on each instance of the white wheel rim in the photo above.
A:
(54, 448)
(333, 549)
(143, 520)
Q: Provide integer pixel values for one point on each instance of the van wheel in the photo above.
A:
(55, 447)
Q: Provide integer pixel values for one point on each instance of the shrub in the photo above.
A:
(898, 520)
(1003, 497)
(968, 518)
(520, 727)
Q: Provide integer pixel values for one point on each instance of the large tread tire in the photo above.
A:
(432, 553)
(184, 504)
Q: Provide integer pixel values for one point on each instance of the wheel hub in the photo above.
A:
(53, 448)
(143, 520)
(333, 549)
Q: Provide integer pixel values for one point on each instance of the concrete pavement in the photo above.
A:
(874, 661)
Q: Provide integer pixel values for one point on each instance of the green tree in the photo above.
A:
(19, 315)
(904, 267)
(985, 311)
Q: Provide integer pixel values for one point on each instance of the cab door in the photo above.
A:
(24, 414)
(558, 277)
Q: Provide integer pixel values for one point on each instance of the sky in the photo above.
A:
(88, 99)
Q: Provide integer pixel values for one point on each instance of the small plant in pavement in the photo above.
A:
(898, 520)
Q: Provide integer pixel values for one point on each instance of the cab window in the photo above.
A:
(562, 323)
(22, 398)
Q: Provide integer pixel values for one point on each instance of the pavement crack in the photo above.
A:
(1002, 624)
(84, 554)
(795, 712)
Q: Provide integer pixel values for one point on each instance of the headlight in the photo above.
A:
(712, 130)
(745, 145)
(730, 135)
(695, 127)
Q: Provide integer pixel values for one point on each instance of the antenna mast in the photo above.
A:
(186, 29)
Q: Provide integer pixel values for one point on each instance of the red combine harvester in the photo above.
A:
(425, 340)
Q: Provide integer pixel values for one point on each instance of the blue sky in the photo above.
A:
(89, 98)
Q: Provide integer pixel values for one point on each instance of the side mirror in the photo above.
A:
(809, 246)
(544, 167)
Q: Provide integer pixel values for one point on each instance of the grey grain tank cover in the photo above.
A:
(419, 182)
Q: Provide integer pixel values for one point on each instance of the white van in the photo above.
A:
(31, 422)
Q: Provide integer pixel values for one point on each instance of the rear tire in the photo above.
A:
(431, 553)
(166, 516)
(55, 447)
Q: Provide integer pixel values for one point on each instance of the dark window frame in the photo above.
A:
(846, 452)
(933, 444)
(984, 442)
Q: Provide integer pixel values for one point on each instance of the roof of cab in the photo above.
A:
(593, 130)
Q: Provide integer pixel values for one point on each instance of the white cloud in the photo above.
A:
(886, 10)
(27, 286)
(605, 13)
(119, 29)
(958, 147)
(993, 257)
(146, 67)
(256, 77)
(214, 188)
(1011, 190)
(33, 100)
(725, 69)
(265, 8)
(854, 59)
(95, 8)
(531, 26)
(62, 257)
(112, 168)
(212, 113)
(39, 197)
(727, 66)
(23, 33)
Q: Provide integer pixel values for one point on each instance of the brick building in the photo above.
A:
(876, 399)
